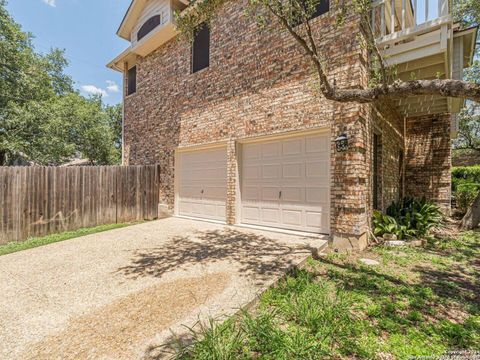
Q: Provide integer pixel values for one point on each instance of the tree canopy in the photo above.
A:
(43, 119)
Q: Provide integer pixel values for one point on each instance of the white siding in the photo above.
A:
(457, 72)
(153, 7)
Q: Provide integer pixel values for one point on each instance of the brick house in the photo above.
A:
(243, 136)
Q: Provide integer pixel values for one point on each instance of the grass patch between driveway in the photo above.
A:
(50, 239)
(417, 302)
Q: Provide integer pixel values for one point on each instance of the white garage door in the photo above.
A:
(202, 183)
(286, 183)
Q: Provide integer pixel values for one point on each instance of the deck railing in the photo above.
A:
(393, 16)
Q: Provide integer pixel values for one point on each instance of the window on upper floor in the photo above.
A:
(149, 25)
(132, 80)
(322, 8)
(201, 49)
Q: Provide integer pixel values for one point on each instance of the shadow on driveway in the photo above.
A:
(254, 254)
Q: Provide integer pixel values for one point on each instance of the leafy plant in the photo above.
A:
(466, 194)
(465, 175)
(385, 224)
(407, 218)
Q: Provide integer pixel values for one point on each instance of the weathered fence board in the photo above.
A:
(38, 201)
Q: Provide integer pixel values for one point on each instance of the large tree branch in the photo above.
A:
(399, 89)
(402, 89)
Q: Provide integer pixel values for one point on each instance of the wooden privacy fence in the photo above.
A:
(38, 201)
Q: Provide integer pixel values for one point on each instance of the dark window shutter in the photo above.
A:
(201, 49)
(149, 25)
(132, 80)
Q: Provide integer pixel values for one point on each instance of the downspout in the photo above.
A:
(125, 67)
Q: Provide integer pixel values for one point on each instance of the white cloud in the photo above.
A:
(50, 2)
(93, 90)
(112, 86)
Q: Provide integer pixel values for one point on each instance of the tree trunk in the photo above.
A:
(3, 158)
(472, 218)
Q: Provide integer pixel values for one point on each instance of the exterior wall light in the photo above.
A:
(341, 143)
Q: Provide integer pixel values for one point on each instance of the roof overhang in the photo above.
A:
(144, 47)
(126, 57)
(131, 16)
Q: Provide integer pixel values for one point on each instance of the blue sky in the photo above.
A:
(86, 29)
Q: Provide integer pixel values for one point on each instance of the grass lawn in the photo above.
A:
(49, 239)
(418, 301)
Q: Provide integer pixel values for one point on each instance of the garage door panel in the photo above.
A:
(203, 183)
(253, 152)
(292, 188)
(251, 193)
(317, 169)
(317, 195)
(192, 192)
(271, 172)
(252, 172)
(270, 193)
(215, 192)
(317, 219)
(292, 217)
(292, 170)
(293, 194)
(270, 215)
(317, 144)
(250, 213)
(292, 147)
(271, 149)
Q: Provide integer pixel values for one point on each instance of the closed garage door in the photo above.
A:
(286, 183)
(202, 183)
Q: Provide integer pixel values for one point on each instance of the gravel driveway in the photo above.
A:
(122, 293)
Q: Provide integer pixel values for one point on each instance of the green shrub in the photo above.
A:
(465, 195)
(408, 218)
(384, 224)
(465, 174)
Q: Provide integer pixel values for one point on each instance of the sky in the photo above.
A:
(86, 30)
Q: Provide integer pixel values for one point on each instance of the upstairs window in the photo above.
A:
(132, 81)
(149, 25)
(322, 8)
(201, 49)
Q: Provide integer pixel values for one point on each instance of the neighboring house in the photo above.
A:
(243, 137)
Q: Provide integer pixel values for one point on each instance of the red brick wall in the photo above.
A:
(389, 125)
(258, 83)
(428, 158)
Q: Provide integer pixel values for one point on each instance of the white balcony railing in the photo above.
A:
(393, 16)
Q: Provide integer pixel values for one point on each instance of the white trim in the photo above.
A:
(283, 135)
(238, 188)
(416, 55)
(416, 30)
(206, 146)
